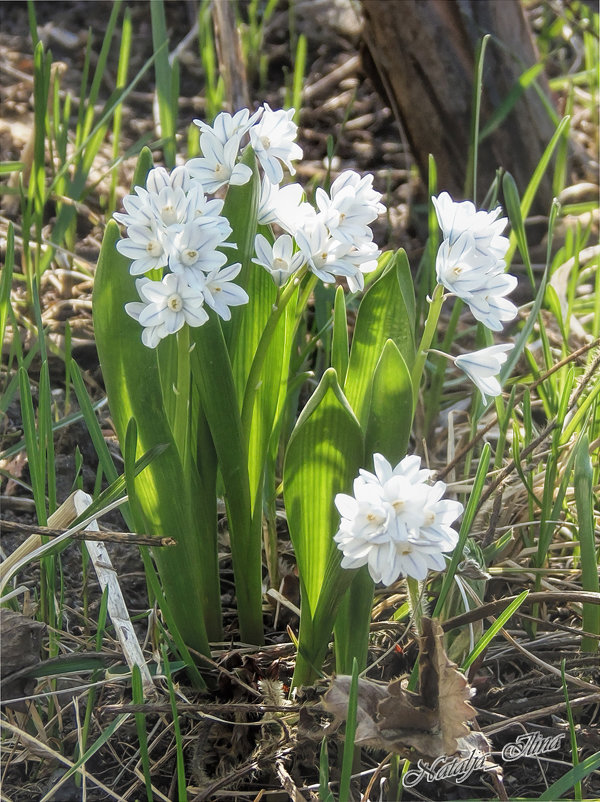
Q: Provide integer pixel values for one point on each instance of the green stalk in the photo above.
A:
(474, 144)
(348, 756)
(415, 600)
(572, 730)
(428, 333)
(211, 370)
(137, 695)
(181, 783)
(584, 501)
(122, 71)
(433, 397)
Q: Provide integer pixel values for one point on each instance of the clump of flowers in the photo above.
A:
(172, 225)
(470, 264)
(396, 523)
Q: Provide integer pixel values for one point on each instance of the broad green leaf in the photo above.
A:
(386, 313)
(132, 381)
(352, 623)
(213, 377)
(323, 457)
(241, 208)
(391, 410)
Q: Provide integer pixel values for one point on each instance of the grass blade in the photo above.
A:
(348, 756)
(584, 502)
(471, 179)
(494, 629)
(137, 695)
(568, 780)
(164, 73)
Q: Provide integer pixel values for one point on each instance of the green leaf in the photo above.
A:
(165, 79)
(574, 775)
(535, 181)
(584, 501)
(325, 794)
(241, 209)
(386, 313)
(323, 457)
(513, 207)
(494, 629)
(213, 377)
(504, 109)
(133, 388)
(391, 411)
(352, 623)
(6, 279)
(348, 756)
(339, 339)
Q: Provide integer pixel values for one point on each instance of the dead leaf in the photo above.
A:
(369, 695)
(425, 725)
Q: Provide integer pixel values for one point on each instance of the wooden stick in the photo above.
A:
(105, 537)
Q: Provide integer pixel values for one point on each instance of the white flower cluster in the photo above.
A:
(172, 224)
(396, 523)
(334, 240)
(470, 263)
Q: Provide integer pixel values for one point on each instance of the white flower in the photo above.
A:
(159, 178)
(324, 254)
(485, 227)
(200, 206)
(488, 304)
(162, 201)
(353, 204)
(279, 259)
(220, 293)
(395, 523)
(217, 166)
(138, 209)
(483, 366)
(151, 335)
(168, 305)
(272, 139)
(409, 467)
(460, 269)
(282, 205)
(364, 258)
(481, 282)
(226, 126)
(195, 250)
(145, 246)
(170, 205)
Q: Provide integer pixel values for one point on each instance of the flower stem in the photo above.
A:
(415, 602)
(430, 326)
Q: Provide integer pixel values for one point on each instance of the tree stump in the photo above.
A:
(424, 54)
